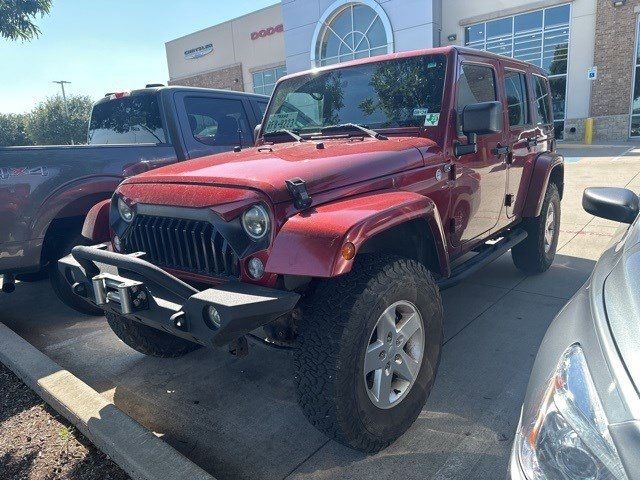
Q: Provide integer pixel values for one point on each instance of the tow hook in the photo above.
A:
(239, 347)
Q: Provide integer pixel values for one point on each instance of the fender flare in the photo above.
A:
(73, 199)
(96, 225)
(309, 243)
(540, 175)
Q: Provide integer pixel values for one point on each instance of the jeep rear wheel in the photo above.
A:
(148, 340)
(536, 253)
(368, 351)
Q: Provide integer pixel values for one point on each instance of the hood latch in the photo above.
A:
(298, 190)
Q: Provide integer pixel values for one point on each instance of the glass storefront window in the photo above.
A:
(265, 80)
(353, 32)
(540, 37)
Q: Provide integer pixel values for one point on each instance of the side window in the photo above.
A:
(218, 122)
(542, 101)
(515, 89)
(476, 85)
(262, 107)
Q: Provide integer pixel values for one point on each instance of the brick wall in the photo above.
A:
(614, 57)
(229, 78)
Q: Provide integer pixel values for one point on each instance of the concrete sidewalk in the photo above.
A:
(238, 418)
(135, 449)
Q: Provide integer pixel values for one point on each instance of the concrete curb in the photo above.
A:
(134, 448)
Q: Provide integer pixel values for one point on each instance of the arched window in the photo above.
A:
(351, 30)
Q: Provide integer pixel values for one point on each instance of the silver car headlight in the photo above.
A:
(255, 222)
(126, 212)
(567, 437)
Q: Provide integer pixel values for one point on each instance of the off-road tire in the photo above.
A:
(148, 340)
(59, 283)
(529, 255)
(334, 332)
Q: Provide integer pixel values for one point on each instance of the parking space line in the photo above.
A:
(622, 155)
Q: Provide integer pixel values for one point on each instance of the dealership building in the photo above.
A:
(588, 47)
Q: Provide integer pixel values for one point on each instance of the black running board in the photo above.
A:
(487, 255)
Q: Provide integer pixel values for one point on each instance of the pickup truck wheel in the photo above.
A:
(368, 351)
(537, 252)
(148, 340)
(59, 283)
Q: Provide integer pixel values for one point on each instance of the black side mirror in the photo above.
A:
(256, 132)
(479, 119)
(617, 204)
(482, 118)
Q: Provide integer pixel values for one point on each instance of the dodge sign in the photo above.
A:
(267, 32)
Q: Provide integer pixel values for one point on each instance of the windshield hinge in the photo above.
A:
(298, 190)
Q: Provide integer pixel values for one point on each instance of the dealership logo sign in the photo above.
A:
(267, 32)
(198, 52)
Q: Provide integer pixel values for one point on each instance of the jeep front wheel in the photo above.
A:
(368, 351)
(148, 340)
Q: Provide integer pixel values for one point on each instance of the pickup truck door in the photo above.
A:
(214, 123)
(480, 179)
(522, 137)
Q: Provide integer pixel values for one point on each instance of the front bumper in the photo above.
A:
(127, 285)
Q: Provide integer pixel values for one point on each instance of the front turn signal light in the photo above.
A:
(348, 251)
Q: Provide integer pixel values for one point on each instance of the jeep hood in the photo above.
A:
(340, 163)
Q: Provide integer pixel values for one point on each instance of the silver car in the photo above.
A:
(581, 414)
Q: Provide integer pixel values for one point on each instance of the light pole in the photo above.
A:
(64, 99)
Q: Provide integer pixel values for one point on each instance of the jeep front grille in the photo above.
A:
(187, 245)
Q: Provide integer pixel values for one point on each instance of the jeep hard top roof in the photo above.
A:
(448, 51)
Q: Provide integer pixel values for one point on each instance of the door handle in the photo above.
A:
(501, 150)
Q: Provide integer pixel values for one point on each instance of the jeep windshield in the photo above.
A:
(390, 94)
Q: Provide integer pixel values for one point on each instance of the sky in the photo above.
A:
(103, 46)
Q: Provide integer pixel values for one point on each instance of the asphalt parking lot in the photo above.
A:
(238, 418)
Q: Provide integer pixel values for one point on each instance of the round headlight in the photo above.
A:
(126, 212)
(256, 222)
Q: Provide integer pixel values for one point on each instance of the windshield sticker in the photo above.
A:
(432, 120)
(282, 121)
(420, 112)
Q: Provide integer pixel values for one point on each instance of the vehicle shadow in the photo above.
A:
(238, 417)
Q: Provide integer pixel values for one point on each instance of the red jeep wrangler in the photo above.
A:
(373, 185)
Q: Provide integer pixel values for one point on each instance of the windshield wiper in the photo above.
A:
(278, 133)
(353, 126)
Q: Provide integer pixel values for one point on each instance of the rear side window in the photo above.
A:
(220, 122)
(542, 100)
(127, 120)
(476, 85)
(515, 88)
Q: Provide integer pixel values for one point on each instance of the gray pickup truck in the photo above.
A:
(46, 192)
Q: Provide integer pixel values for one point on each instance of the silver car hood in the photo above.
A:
(622, 301)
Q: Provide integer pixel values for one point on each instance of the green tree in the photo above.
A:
(12, 130)
(49, 124)
(17, 18)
